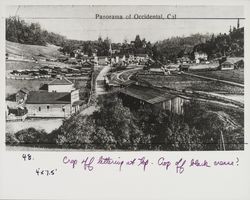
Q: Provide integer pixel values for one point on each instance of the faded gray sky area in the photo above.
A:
(79, 22)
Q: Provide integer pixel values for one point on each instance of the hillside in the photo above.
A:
(227, 44)
(29, 51)
(177, 47)
(17, 30)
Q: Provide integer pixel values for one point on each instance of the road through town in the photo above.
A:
(99, 86)
(99, 90)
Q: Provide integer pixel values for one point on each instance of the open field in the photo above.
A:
(185, 82)
(205, 67)
(29, 51)
(216, 87)
(15, 65)
(227, 75)
(12, 86)
(160, 78)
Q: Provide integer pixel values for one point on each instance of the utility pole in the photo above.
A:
(222, 141)
(238, 23)
(110, 51)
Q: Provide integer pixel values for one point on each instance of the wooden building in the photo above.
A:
(135, 96)
(61, 84)
(232, 63)
(60, 100)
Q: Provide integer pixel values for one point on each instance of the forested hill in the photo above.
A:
(175, 47)
(231, 44)
(17, 30)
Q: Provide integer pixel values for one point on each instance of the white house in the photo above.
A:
(61, 100)
(60, 85)
(198, 56)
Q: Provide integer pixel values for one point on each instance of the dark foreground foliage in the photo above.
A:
(116, 127)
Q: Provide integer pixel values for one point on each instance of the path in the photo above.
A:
(118, 75)
(99, 90)
(99, 86)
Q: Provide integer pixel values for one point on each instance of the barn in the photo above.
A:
(135, 96)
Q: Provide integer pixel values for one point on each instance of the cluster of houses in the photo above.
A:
(228, 63)
(57, 99)
(139, 59)
(201, 59)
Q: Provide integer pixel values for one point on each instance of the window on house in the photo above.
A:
(47, 107)
(39, 108)
(63, 109)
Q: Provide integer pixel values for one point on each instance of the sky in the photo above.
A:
(80, 23)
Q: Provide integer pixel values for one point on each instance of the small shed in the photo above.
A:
(232, 63)
(184, 67)
(227, 65)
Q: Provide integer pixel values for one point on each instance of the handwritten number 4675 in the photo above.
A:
(27, 157)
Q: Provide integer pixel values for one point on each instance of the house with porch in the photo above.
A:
(232, 63)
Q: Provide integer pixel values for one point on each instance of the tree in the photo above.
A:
(103, 139)
(119, 120)
(32, 137)
(76, 132)
(138, 42)
(11, 139)
(18, 30)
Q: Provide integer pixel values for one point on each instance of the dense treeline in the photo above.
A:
(231, 44)
(17, 30)
(115, 126)
(100, 47)
(176, 47)
(103, 47)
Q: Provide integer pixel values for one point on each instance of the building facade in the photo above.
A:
(200, 56)
(60, 100)
(232, 63)
(60, 85)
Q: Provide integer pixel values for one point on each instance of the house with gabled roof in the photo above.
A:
(60, 100)
(61, 84)
(232, 63)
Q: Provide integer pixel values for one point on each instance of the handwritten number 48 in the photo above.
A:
(26, 157)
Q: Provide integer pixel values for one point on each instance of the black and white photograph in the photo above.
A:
(124, 78)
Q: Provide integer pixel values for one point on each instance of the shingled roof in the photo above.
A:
(61, 81)
(147, 94)
(45, 97)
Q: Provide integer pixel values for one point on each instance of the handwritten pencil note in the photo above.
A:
(94, 163)
(180, 165)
